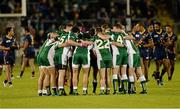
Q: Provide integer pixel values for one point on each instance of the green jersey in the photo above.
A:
(104, 57)
(118, 37)
(62, 38)
(60, 58)
(81, 55)
(46, 53)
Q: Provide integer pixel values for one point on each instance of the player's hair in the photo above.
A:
(117, 25)
(86, 35)
(79, 24)
(75, 29)
(169, 26)
(105, 26)
(8, 29)
(70, 23)
(98, 29)
(140, 24)
(157, 23)
(92, 31)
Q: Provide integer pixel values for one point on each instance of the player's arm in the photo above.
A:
(4, 48)
(150, 43)
(73, 43)
(65, 44)
(166, 42)
(26, 44)
(15, 45)
(129, 37)
(117, 44)
(87, 42)
(175, 46)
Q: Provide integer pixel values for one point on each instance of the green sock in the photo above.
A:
(125, 85)
(115, 81)
(143, 85)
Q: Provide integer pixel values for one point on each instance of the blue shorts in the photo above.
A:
(160, 54)
(9, 60)
(145, 54)
(1, 60)
(93, 60)
(29, 52)
(172, 56)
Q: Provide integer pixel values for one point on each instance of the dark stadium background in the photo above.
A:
(43, 16)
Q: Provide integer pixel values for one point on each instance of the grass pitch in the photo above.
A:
(23, 94)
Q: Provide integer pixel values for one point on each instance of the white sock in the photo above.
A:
(142, 78)
(131, 78)
(75, 87)
(124, 77)
(39, 91)
(61, 87)
(108, 88)
(44, 91)
(115, 76)
(102, 88)
(54, 87)
(84, 88)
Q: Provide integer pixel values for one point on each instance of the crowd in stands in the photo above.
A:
(47, 15)
(10, 6)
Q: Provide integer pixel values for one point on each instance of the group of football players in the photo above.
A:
(120, 57)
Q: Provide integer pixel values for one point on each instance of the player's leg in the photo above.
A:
(24, 63)
(1, 67)
(93, 61)
(124, 78)
(61, 77)
(166, 68)
(142, 64)
(131, 70)
(8, 75)
(172, 58)
(85, 80)
(31, 63)
(166, 64)
(95, 72)
(146, 68)
(172, 63)
(139, 72)
(46, 84)
(40, 80)
(108, 80)
(60, 61)
(75, 80)
(69, 72)
(102, 81)
(1, 63)
(115, 72)
(8, 62)
(86, 71)
(52, 74)
(158, 55)
(142, 80)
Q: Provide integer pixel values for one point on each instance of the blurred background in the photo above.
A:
(43, 16)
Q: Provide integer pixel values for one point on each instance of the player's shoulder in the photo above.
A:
(175, 37)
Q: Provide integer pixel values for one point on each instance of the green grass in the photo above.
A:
(24, 94)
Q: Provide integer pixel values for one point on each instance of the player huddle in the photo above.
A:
(120, 57)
